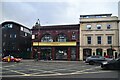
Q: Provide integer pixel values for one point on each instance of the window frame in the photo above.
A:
(89, 26)
(109, 39)
(89, 38)
(99, 41)
(99, 26)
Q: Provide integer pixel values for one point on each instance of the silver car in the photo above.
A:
(96, 59)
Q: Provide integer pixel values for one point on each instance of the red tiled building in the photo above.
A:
(57, 42)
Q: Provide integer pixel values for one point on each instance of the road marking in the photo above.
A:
(16, 71)
(12, 65)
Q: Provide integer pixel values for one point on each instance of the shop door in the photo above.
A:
(45, 54)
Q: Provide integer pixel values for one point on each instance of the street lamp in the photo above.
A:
(111, 50)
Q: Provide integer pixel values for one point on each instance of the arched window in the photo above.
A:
(61, 38)
(47, 38)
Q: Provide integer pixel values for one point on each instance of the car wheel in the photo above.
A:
(91, 62)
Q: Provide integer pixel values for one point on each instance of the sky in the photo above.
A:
(53, 12)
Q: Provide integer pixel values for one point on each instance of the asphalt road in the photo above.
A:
(56, 69)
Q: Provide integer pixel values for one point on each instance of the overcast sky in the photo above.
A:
(55, 12)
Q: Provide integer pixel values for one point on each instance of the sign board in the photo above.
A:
(54, 44)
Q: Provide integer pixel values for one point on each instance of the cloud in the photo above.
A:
(55, 11)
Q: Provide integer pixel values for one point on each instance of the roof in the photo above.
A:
(14, 23)
(96, 15)
(57, 26)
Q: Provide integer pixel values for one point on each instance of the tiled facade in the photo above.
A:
(55, 42)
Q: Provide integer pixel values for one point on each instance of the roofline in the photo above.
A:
(96, 15)
(61, 25)
(9, 21)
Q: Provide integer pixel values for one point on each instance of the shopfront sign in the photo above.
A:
(54, 44)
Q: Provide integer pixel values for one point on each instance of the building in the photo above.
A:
(16, 40)
(0, 41)
(56, 42)
(119, 22)
(99, 35)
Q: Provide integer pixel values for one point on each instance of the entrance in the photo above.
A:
(45, 54)
(61, 53)
(86, 53)
(99, 51)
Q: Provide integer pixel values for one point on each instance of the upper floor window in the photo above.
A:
(8, 25)
(89, 39)
(33, 36)
(73, 36)
(109, 39)
(108, 26)
(61, 38)
(98, 26)
(47, 38)
(10, 35)
(15, 36)
(26, 34)
(5, 35)
(99, 39)
(88, 27)
(21, 28)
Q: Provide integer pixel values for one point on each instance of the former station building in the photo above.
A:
(55, 42)
(16, 40)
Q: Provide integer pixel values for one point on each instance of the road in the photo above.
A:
(55, 69)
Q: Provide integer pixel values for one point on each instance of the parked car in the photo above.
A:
(11, 59)
(96, 59)
(113, 64)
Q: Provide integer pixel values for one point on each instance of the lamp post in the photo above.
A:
(111, 50)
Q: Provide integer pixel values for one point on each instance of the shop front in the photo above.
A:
(56, 50)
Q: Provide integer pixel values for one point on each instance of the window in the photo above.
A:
(15, 36)
(33, 36)
(5, 35)
(8, 25)
(3, 43)
(73, 36)
(62, 38)
(10, 35)
(89, 39)
(88, 27)
(47, 38)
(99, 39)
(21, 28)
(109, 39)
(98, 26)
(25, 34)
(108, 26)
